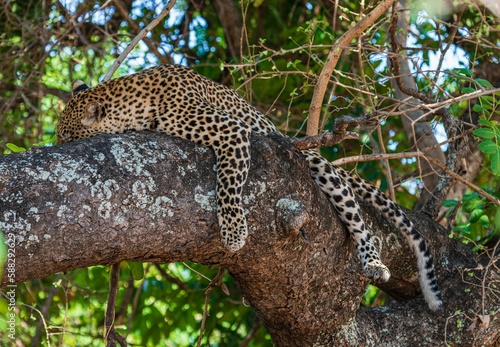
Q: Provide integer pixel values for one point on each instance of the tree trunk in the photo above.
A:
(420, 134)
(150, 197)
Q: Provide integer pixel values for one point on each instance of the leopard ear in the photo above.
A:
(77, 86)
(95, 112)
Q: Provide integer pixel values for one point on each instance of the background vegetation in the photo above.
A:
(272, 52)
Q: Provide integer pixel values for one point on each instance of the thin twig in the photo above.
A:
(41, 316)
(197, 272)
(216, 281)
(138, 38)
(456, 151)
(325, 139)
(369, 157)
(170, 278)
(255, 327)
(45, 312)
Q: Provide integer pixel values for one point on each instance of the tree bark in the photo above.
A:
(230, 20)
(150, 197)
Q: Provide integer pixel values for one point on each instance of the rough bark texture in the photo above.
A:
(150, 197)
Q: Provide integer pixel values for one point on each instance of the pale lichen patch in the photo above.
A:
(160, 209)
(140, 194)
(206, 201)
(201, 149)
(103, 191)
(181, 171)
(14, 197)
(12, 222)
(289, 204)
(62, 209)
(32, 239)
(249, 198)
(62, 187)
(33, 212)
(104, 209)
(181, 153)
(132, 158)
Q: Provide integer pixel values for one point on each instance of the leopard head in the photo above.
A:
(82, 114)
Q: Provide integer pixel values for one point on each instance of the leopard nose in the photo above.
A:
(59, 140)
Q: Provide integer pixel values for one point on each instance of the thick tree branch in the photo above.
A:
(150, 197)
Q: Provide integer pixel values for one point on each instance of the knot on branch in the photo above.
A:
(338, 134)
(291, 215)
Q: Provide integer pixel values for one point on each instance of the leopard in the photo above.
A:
(176, 100)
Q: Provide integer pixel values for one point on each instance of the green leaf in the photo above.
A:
(487, 133)
(450, 203)
(463, 228)
(478, 108)
(14, 148)
(495, 163)
(51, 141)
(484, 221)
(471, 202)
(496, 220)
(137, 270)
(487, 102)
(484, 83)
(475, 215)
(466, 90)
(488, 147)
(464, 71)
(486, 123)
(3, 251)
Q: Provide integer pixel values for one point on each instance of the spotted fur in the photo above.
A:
(177, 101)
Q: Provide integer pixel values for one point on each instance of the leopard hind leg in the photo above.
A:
(427, 276)
(343, 199)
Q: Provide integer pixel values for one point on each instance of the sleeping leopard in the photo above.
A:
(176, 100)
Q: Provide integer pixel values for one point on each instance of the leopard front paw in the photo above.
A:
(234, 238)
